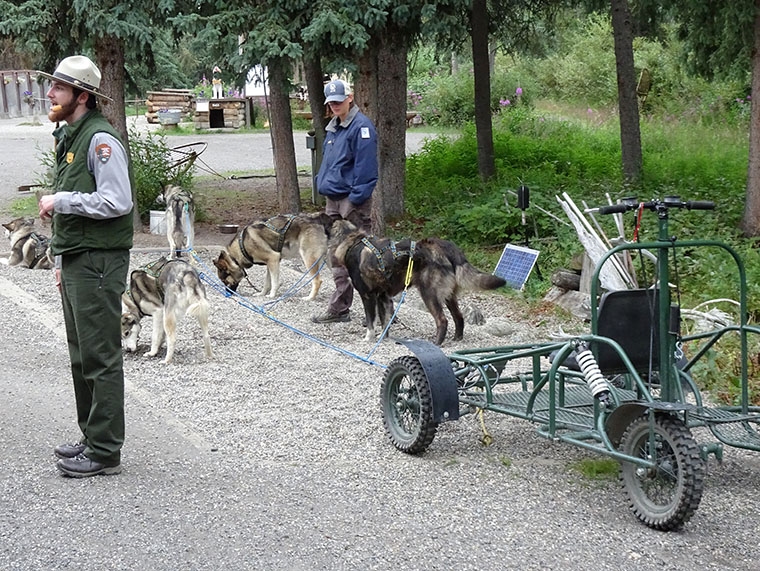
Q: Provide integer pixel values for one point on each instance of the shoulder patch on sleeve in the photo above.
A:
(103, 152)
(365, 132)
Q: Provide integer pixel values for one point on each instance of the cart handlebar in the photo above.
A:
(657, 204)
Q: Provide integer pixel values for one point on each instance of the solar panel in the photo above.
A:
(515, 265)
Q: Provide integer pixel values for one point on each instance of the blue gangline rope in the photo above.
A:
(206, 276)
(261, 310)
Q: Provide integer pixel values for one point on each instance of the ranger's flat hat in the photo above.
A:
(79, 72)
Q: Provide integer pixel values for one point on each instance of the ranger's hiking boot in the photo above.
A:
(69, 450)
(82, 467)
(331, 317)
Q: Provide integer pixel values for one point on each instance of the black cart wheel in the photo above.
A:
(408, 406)
(666, 496)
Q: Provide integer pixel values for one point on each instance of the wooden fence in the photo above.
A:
(21, 95)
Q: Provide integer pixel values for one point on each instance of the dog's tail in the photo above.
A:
(199, 309)
(437, 252)
(471, 278)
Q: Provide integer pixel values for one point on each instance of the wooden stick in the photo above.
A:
(615, 262)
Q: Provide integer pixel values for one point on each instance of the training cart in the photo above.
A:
(627, 390)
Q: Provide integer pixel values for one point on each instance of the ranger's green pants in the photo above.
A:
(91, 286)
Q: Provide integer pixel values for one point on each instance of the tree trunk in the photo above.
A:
(110, 61)
(365, 84)
(480, 60)
(630, 134)
(315, 84)
(366, 96)
(391, 126)
(281, 130)
(751, 220)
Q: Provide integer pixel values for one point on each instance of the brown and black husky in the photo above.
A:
(377, 268)
(267, 241)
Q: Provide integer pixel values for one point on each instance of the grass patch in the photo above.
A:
(557, 153)
(598, 469)
(24, 207)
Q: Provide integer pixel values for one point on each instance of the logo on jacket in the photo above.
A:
(69, 157)
(103, 152)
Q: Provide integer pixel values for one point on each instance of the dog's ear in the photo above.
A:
(8, 226)
(325, 220)
(355, 218)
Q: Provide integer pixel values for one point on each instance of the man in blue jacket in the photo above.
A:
(346, 178)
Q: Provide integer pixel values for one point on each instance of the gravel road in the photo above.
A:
(273, 456)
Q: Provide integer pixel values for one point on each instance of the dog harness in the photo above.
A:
(41, 244)
(280, 231)
(379, 252)
(154, 270)
(241, 245)
(186, 198)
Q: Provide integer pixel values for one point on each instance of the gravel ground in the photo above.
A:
(273, 455)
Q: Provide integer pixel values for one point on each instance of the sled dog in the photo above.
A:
(28, 247)
(378, 266)
(168, 290)
(266, 242)
(180, 220)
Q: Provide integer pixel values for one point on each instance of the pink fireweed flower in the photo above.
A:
(518, 91)
(504, 102)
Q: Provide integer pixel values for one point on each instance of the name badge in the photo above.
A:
(365, 132)
(69, 158)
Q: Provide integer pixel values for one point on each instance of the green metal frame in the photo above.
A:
(558, 399)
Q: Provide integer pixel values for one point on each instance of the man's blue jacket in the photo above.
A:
(349, 158)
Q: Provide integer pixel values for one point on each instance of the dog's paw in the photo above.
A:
(151, 353)
(369, 336)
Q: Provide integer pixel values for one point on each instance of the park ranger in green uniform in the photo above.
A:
(91, 207)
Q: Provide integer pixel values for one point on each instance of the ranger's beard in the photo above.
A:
(61, 112)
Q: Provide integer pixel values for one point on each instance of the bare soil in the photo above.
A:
(229, 201)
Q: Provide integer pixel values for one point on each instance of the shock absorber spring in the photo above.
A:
(594, 378)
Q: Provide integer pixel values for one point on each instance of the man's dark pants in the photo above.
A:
(91, 286)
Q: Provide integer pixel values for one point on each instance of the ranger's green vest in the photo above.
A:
(73, 233)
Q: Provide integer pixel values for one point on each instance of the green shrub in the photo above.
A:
(151, 168)
(445, 197)
(445, 99)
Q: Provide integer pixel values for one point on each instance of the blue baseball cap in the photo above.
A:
(337, 90)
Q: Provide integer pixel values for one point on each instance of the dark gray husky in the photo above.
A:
(378, 266)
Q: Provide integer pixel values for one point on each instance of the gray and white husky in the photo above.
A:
(29, 248)
(168, 290)
(180, 219)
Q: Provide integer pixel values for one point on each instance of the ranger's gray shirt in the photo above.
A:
(113, 194)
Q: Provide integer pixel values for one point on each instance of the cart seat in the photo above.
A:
(631, 318)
